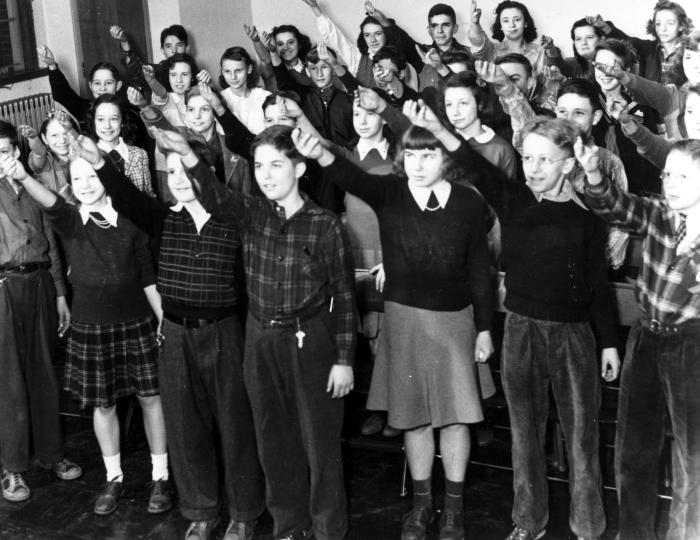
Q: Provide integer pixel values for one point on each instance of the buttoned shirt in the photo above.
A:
(668, 284)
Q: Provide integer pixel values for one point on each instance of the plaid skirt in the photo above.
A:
(108, 361)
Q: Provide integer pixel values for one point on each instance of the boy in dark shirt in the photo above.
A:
(31, 289)
(300, 333)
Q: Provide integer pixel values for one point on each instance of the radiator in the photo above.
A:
(30, 110)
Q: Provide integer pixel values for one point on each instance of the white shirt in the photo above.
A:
(199, 215)
(248, 109)
(108, 212)
(121, 148)
(421, 194)
(364, 146)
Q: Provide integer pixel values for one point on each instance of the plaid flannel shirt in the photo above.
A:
(668, 285)
(293, 264)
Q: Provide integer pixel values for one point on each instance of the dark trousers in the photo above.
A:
(537, 353)
(298, 426)
(28, 387)
(207, 414)
(659, 372)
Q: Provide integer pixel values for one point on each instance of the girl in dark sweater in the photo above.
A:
(112, 348)
(437, 310)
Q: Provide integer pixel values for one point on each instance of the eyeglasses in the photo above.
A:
(541, 161)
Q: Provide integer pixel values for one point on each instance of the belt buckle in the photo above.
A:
(276, 323)
(21, 268)
(655, 326)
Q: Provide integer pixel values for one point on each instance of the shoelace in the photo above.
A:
(449, 520)
(17, 480)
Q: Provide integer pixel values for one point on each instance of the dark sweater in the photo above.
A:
(553, 254)
(433, 260)
(109, 268)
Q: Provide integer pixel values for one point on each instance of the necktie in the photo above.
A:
(99, 220)
(118, 160)
(681, 229)
(433, 203)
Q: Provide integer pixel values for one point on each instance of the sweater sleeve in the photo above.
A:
(652, 147)
(618, 207)
(225, 204)
(66, 96)
(144, 259)
(56, 269)
(334, 38)
(146, 212)
(479, 273)
(371, 188)
(602, 307)
(238, 138)
(664, 98)
(64, 218)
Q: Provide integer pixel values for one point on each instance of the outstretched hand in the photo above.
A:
(27, 131)
(269, 42)
(307, 145)
(117, 32)
(46, 55)
(430, 58)
(491, 73)
(148, 72)
(587, 156)
(210, 97)
(613, 70)
(369, 100)
(170, 141)
(87, 149)
(473, 13)
(288, 107)
(11, 167)
(422, 116)
(135, 97)
(251, 32)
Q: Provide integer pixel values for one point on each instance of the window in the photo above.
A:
(18, 58)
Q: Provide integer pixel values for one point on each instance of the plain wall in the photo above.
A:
(552, 17)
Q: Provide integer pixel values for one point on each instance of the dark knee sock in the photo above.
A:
(421, 493)
(453, 496)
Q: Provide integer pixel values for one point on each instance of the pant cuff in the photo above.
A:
(199, 514)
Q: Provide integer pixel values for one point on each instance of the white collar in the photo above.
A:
(364, 146)
(485, 136)
(298, 67)
(421, 194)
(108, 212)
(199, 215)
(121, 148)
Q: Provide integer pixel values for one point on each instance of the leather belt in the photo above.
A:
(25, 268)
(189, 322)
(664, 329)
(289, 322)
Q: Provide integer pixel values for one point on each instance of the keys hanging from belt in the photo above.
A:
(300, 335)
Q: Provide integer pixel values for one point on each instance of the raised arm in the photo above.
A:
(60, 89)
(334, 38)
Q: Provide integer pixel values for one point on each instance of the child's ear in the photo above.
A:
(597, 116)
(568, 165)
(250, 69)
(299, 169)
(119, 85)
(402, 74)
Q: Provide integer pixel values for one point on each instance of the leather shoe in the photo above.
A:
(451, 525)
(161, 498)
(519, 533)
(64, 469)
(391, 432)
(201, 530)
(372, 425)
(108, 500)
(416, 522)
(240, 530)
(301, 534)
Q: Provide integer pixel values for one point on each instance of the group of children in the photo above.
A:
(229, 307)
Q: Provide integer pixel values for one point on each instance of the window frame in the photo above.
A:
(22, 35)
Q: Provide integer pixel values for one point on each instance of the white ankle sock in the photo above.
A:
(160, 466)
(113, 464)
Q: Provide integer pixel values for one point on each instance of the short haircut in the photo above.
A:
(313, 58)
(272, 98)
(280, 138)
(515, 58)
(416, 138)
(468, 80)
(302, 39)
(388, 52)
(176, 30)
(239, 54)
(442, 9)
(530, 31)
(690, 147)
(684, 22)
(563, 133)
(8, 131)
(105, 65)
(693, 41)
(458, 57)
(583, 88)
(623, 50)
(195, 91)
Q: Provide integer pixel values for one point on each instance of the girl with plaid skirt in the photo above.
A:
(112, 348)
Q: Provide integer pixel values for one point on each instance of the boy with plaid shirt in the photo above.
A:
(300, 333)
(661, 367)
